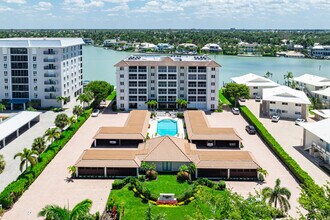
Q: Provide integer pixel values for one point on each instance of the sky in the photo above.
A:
(165, 14)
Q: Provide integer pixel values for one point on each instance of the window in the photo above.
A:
(213, 69)
(192, 69)
(152, 74)
(181, 74)
(122, 106)
(121, 75)
(152, 67)
(272, 102)
(162, 69)
(34, 58)
(162, 84)
(6, 87)
(6, 95)
(152, 88)
(181, 67)
(121, 68)
(35, 95)
(212, 91)
(152, 81)
(284, 111)
(192, 77)
(212, 106)
(201, 99)
(213, 76)
(152, 95)
(35, 88)
(172, 69)
(35, 80)
(284, 103)
(181, 81)
(122, 91)
(122, 97)
(212, 98)
(5, 65)
(297, 113)
(181, 88)
(212, 83)
(34, 66)
(192, 98)
(121, 83)
(255, 87)
(5, 58)
(5, 73)
(34, 73)
(171, 84)
(298, 105)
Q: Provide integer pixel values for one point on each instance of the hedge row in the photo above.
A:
(293, 166)
(16, 188)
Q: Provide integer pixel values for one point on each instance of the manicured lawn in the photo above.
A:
(223, 99)
(167, 184)
(135, 208)
(112, 95)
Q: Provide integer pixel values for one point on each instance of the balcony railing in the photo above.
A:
(50, 75)
(50, 67)
(49, 52)
(320, 149)
(49, 60)
(50, 90)
(50, 82)
(50, 97)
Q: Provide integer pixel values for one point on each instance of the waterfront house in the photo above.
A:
(285, 101)
(324, 96)
(144, 47)
(255, 83)
(166, 79)
(164, 47)
(308, 83)
(320, 51)
(248, 47)
(212, 48)
(317, 139)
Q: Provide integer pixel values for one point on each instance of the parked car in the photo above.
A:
(258, 98)
(250, 129)
(235, 111)
(299, 120)
(275, 118)
(242, 99)
(95, 112)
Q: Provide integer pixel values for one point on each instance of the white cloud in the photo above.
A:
(43, 6)
(160, 6)
(4, 9)
(81, 6)
(15, 1)
(119, 8)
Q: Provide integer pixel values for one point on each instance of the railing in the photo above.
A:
(49, 60)
(50, 67)
(320, 148)
(50, 90)
(50, 97)
(50, 75)
(50, 82)
(50, 52)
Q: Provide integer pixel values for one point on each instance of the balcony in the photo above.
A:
(50, 75)
(50, 60)
(52, 89)
(50, 68)
(50, 97)
(50, 82)
(321, 149)
(49, 52)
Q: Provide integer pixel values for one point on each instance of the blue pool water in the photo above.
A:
(167, 127)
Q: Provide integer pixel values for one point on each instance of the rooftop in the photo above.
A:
(323, 92)
(198, 128)
(285, 94)
(324, 113)
(184, 60)
(167, 149)
(312, 80)
(320, 129)
(252, 79)
(135, 127)
(40, 42)
(15, 122)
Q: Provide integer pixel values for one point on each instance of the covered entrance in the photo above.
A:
(18, 104)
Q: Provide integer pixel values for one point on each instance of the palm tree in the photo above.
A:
(72, 170)
(184, 103)
(268, 75)
(278, 194)
(192, 170)
(55, 212)
(72, 120)
(59, 99)
(262, 174)
(27, 157)
(85, 97)
(288, 78)
(2, 163)
(2, 107)
(152, 104)
(39, 145)
(77, 110)
(179, 102)
(52, 134)
(61, 121)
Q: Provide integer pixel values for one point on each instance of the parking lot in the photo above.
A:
(53, 186)
(266, 159)
(290, 136)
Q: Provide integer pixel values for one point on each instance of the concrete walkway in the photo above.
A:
(265, 158)
(53, 187)
(290, 136)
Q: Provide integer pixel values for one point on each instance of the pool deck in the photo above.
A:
(153, 126)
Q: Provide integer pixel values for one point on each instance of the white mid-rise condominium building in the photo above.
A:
(166, 79)
(37, 70)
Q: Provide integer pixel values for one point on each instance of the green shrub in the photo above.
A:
(179, 115)
(182, 176)
(205, 182)
(142, 178)
(151, 174)
(15, 189)
(222, 185)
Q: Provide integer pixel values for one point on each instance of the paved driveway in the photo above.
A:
(265, 158)
(290, 136)
(52, 187)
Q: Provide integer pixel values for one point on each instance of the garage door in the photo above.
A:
(114, 172)
(212, 173)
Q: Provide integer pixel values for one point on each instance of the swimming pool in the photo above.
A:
(167, 127)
